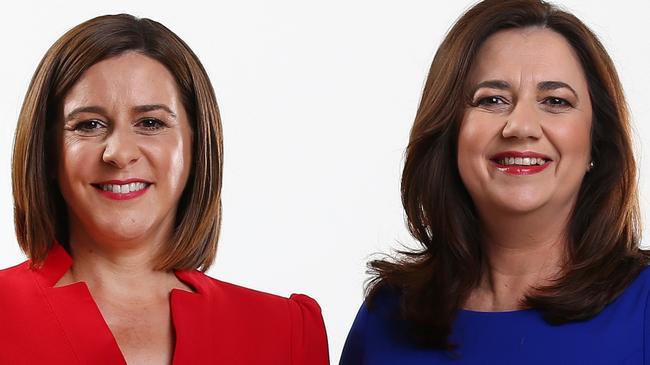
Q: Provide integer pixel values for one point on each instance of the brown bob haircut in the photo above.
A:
(39, 209)
(603, 255)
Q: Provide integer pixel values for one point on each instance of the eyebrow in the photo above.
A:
(138, 109)
(491, 84)
(554, 85)
(152, 107)
(541, 86)
(84, 109)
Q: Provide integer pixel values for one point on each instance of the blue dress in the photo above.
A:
(619, 334)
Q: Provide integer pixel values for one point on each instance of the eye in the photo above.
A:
(490, 101)
(151, 124)
(89, 127)
(556, 102)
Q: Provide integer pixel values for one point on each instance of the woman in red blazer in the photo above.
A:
(116, 179)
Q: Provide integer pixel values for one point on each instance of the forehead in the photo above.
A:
(534, 53)
(130, 78)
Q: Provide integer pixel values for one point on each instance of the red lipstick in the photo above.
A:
(504, 162)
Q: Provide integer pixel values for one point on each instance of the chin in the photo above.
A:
(523, 208)
(519, 203)
(124, 235)
(124, 230)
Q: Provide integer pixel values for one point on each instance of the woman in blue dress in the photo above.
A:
(520, 185)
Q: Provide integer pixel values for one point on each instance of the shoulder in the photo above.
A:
(383, 304)
(15, 277)
(273, 320)
(640, 288)
(376, 325)
(21, 298)
(643, 279)
(297, 306)
(629, 308)
(218, 290)
(638, 291)
(14, 270)
(380, 311)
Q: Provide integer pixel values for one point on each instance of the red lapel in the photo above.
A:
(91, 338)
(76, 311)
(193, 314)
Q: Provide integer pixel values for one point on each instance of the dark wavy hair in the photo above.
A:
(603, 254)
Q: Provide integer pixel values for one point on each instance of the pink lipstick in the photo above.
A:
(122, 189)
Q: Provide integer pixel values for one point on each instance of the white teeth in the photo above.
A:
(123, 189)
(522, 161)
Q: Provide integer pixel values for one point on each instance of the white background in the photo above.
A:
(317, 99)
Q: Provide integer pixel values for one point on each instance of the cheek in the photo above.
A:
(572, 138)
(474, 137)
(470, 137)
(72, 154)
(172, 158)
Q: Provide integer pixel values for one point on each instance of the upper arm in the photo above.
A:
(308, 337)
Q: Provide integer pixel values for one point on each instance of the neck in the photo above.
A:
(520, 255)
(119, 268)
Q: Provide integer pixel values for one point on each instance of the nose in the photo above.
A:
(121, 148)
(523, 122)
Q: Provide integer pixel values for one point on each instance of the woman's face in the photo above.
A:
(124, 156)
(524, 142)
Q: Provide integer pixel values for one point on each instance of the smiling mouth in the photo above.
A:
(122, 188)
(521, 163)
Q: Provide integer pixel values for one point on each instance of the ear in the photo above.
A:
(592, 164)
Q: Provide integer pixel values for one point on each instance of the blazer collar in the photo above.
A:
(90, 336)
(56, 264)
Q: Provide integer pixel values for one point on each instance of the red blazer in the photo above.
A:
(219, 323)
